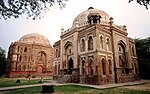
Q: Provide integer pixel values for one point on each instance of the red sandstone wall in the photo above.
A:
(15, 74)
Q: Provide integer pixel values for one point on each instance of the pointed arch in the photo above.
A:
(122, 43)
(68, 48)
(103, 66)
(108, 44)
(83, 67)
(110, 66)
(57, 53)
(68, 43)
(101, 42)
(122, 56)
(90, 67)
(82, 45)
(90, 43)
(42, 52)
(41, 57)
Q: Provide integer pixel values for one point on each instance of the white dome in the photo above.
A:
(82, 18)
(34, 38)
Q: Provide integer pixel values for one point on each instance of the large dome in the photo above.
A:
(82, 18)
(34, 38)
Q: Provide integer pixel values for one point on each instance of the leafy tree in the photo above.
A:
(33, 8)
(143, 48)
(145, 3)
(143, 54)
(2, 61)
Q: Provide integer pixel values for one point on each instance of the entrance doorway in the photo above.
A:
(70, 66)
(39, 70)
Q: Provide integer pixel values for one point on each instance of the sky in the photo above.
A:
(134, 16)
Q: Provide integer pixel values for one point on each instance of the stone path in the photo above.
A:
(94, 86)
(145, 87)
(117, 84)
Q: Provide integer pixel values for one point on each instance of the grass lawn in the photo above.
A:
(7, 82)
(75, 89)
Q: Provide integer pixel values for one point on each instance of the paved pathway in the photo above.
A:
(95, 86)
(117, 84)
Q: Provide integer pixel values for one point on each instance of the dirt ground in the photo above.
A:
(138, 87)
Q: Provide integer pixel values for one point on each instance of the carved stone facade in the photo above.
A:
(95, 51)
(30, 56)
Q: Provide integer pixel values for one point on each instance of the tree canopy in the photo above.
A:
(143, 54)
(33, 8)
(143, 48)
(145, 3)
(2, 61)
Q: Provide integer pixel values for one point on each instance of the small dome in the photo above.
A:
(34, 38)
(82, 18)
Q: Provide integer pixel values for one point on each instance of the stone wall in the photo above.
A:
(127, 78)
(122, 78)
(86, 79)
(106, 79)
(66, 78)
(26, 74)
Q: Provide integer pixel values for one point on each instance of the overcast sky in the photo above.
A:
(134, 16)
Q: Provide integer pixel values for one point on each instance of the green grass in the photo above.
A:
(7, 82)
(65, 89)
(31, 90)
(75, 89)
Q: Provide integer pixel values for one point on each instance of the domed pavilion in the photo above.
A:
(95, 51)
(31, 56)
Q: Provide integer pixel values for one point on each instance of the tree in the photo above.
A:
(2, 61)
(143, 54)
(145, 3)
(33, 8)
(143, 48)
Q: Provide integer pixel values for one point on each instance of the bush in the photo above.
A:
(144, 69)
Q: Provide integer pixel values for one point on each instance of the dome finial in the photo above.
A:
(90, 8)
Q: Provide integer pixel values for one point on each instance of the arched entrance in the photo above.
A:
(70, 66)
(69, 56)
(39, 70)
(90, 67)
(83, 67)
(40, 65)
